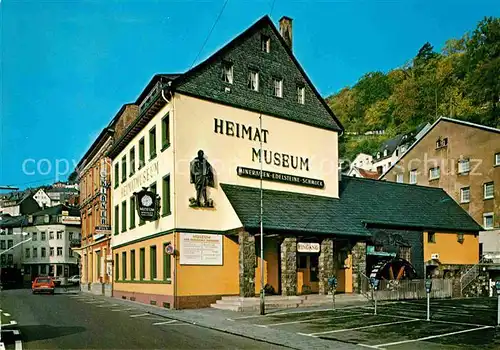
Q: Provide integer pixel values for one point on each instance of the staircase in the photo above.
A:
(236, 303)
(470, 276)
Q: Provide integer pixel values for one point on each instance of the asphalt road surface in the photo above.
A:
(63, 322)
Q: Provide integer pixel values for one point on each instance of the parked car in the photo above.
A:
(74, 279)
(43, 285)
(57, 281)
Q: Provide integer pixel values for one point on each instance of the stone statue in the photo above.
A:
(201, 176)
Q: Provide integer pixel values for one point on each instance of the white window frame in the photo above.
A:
(435, 176)
(487, 215)
(462, 191)
(386, 152)
(414, 180)
(485, 196)
(301, 95)
(400, 178)
(278, 88)
(497, 158)
(461, 164)
(227, 72)
(265, 43)
(253, 80)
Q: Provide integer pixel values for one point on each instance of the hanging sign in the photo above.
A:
(147, 205)
(308, 247)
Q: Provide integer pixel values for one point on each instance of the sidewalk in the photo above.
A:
(224, 321)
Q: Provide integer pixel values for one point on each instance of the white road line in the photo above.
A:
(16, 332)
(2, 347)
(139, 315)
(18, 345)
(363, 327)
(129, 309)
(6, 314)
(166, 322)
(13, 322)
(459, 323)
(93, 302)
(302, 312)
(367, 346)
(113, 305)
(309, 320)
(432, 337)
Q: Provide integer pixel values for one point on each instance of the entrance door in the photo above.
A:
(307, 273)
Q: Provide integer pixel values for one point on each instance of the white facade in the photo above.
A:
(42, 198)
(363, 161)
(11, 237)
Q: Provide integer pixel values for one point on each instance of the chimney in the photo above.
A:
(286, 30)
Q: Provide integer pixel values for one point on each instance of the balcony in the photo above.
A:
(75, 243)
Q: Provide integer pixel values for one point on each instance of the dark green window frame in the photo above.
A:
(124, 216)
(152, 143)
(142, 153)
(117, 267)
(98, 263)
(117, 174)
(132, 161)
(165, 196)
(124, 168)
(142, 263)
(132, 212)
(167, 264)
(124, 266)
(153, 273)
(165, 132)
(132, 264)
(117, 219)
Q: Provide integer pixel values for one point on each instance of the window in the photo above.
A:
(132, 161)
(253, 80)
(166, 264)
(434, 173)
(397, 152)
(44, 236)
(152, 143)
(51, 235)
(489, 190)
(378, 155)
(301, 95)
(413, 177)
(51, 251)
(165, 131)
(265, 43)
(10, 231)
(26, 253)
(431, 237)
(142, 263)
(399, 178)
(465, 195)
(132, 212)
(124, 216)
(165, 196)
(70, 254)
(43, 269)
(463, 166)
(10, 258)
(124, 266)
(152, 256)
(441, 142)
(34, 236)
(227, 72)
(70, 236)
(2, 245)
(117, 267)
(43, 252)
(278, 87)
(117, 174)
(141, 153)
(117, 214)
(3, 259)
(385, 153)
(59, 251)
(152, 188)
(124, 168)
(497, 159)
(35, 252)
(10, 243)
(488, 221)
(132, 264)
(59, 234)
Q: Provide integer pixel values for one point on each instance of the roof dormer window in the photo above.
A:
(227, 72)
(441, 142)
(265, 43)
(385, 152)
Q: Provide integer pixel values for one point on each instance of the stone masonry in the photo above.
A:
(358, 265)
(247, 264)
(289, 266)
(326, 265)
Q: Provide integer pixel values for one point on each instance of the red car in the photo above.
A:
(43, 285)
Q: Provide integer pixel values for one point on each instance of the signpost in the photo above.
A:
(374, 283)
(332, 283)
(497, 286)
(428, 287)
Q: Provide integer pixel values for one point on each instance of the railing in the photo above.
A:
(407, 289)
(75, 243)
(470, 275)
(491, 258)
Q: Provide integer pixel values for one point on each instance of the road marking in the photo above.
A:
(6, 314)
(432, 337)
(93, 302)
(2, 347)
(362, 327)
(18, 345)
(139, 315)
(367, 346)
(129, 309)
(13, 322)
(113, 305)
(303, 312)
(166, 322)
(309, 320)
(16, 332)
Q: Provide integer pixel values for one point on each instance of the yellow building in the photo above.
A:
(199, 142)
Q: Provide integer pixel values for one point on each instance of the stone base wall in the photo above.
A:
(247, 261)
(289, 266)
(358, 265)
(326, 265)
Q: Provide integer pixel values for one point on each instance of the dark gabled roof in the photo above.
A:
(164, 77)
(363, 203)
(57, 210)
(13, 221)
(62, 190)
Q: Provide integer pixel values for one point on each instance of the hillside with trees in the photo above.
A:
(462, 81)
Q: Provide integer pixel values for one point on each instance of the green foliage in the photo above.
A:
(462, 81)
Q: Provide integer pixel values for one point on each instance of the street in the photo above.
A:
(64, 321)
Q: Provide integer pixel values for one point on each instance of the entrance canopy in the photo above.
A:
(363, 203)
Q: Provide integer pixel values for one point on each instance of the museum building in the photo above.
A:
(193, 156)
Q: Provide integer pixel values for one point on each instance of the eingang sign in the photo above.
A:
(308, 247)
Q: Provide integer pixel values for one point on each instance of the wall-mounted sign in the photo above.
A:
(140, 178)
(99, 236)
(103, 196)
(169, 249)
(105, 229)
(308, 247)
(200, 249)
(147, 204)
(70, 220)
(279, 177)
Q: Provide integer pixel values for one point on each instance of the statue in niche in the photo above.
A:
(202, 176)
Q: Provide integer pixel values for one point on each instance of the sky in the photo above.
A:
(68, 66)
